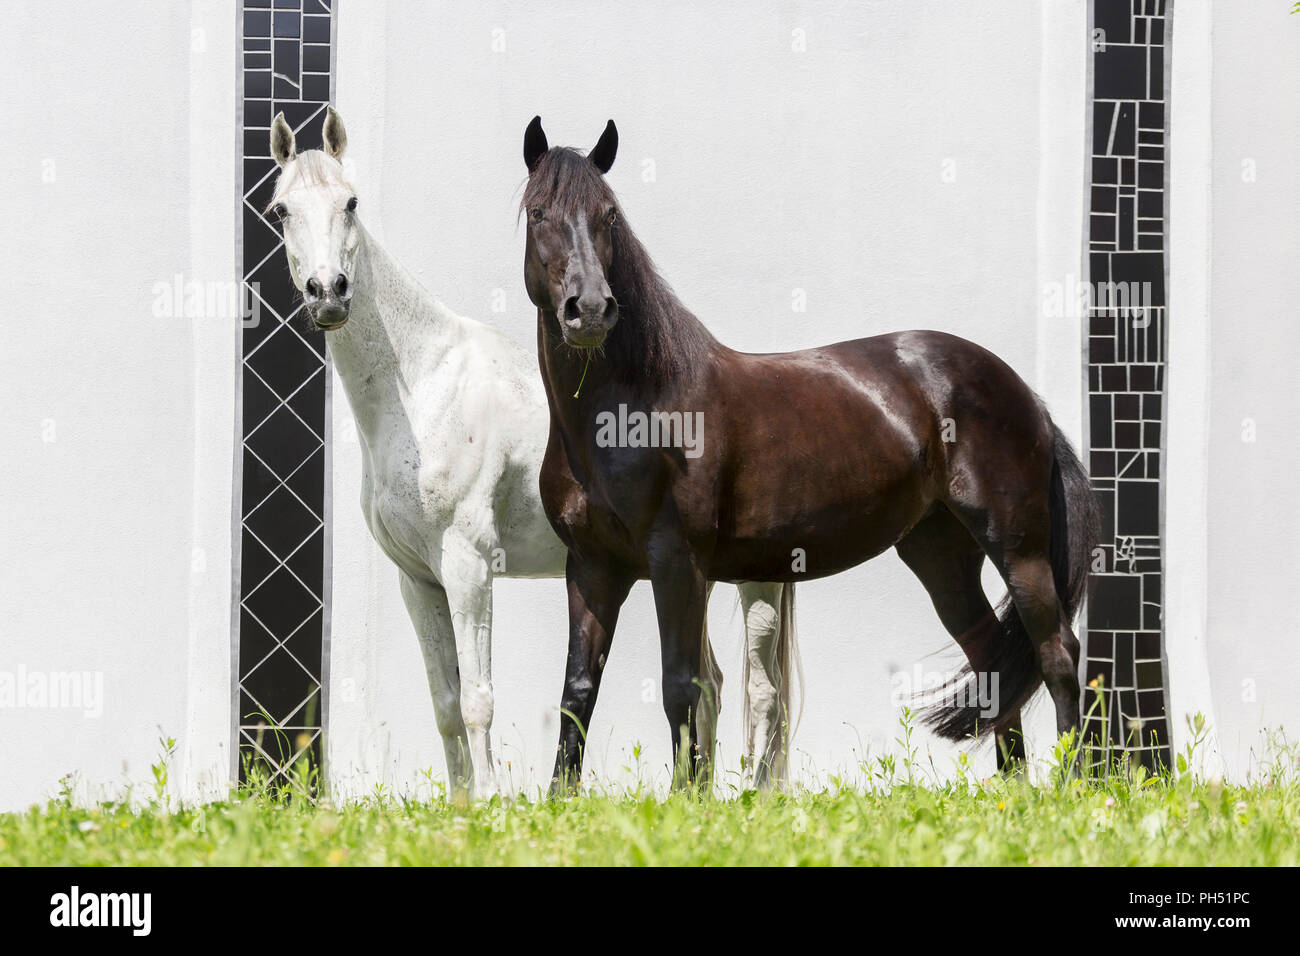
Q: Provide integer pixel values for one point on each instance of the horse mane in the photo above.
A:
(312, 167)
(657, 339)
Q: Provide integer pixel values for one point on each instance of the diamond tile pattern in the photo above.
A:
(1125, 709)
(286, 67)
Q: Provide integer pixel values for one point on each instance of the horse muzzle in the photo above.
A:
(329, 314)
(330, 303)
(584, 339)
(586, 324)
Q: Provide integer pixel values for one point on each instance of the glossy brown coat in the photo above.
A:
(811, 462)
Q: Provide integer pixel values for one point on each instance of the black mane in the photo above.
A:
(657, 338)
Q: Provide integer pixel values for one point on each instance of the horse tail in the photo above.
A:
(1000, 644)
(791, 667)
(1076, 525)
(788, 680)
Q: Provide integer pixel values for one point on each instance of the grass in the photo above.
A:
(1127, 817)
(1012, 823)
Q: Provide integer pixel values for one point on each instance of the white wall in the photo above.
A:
(1235, 229)
(774, 169)
(117, 424)
(1188, 384)
(1253, 525)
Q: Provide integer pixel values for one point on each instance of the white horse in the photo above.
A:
(453, 423)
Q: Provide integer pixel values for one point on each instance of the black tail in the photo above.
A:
(1076, 525)
(1001, 644)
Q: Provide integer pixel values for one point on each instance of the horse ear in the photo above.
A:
(282, 142)
(602, 154)
(535, 145)
(334, 135)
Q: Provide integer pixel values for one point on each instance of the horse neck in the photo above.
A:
(396, 333)
(627, 365)
(580, 385)
(577, 384)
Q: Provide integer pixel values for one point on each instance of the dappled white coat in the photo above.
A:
(452, 422)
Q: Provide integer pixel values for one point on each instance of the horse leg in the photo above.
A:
(1026, 568)
(948, 561)
(596, 593)
(765, 724)
(467, 578)
(1010, 743)
(426, 603)
(1032, 512)
(1030, 582)
(681, 596)
(706, 721)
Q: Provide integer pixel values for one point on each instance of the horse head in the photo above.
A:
(317, 209)
(572, 224)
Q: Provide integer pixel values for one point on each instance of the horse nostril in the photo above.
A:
(313, 289)
(340, 285)
(571, 310)
(611, 310)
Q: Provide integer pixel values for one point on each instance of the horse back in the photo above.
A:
(839, 450)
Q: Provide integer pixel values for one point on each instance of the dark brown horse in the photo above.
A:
(803, 464)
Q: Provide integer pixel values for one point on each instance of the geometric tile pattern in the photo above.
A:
(1127, 335)
(285, 50)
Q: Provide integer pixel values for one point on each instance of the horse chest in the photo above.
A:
(586, 518)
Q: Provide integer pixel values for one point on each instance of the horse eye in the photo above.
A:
(611, 217)
(537, 214)
(279, 210)
(352, 204)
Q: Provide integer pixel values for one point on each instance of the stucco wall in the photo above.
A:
(916, 165)
(1254, 341)
(1234, 210)
(117, 421)
(904, 166)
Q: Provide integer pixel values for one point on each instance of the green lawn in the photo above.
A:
(995, 822)
(887, 818)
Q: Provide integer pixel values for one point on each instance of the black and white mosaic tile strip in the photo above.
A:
(282, 575)
(284, 515)
(1127, 331)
